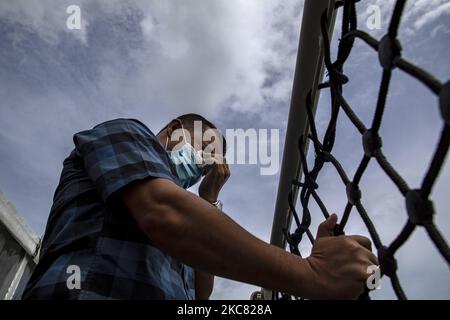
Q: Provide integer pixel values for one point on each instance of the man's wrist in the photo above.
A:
(213, 200)
(208, 198)
(299, 278)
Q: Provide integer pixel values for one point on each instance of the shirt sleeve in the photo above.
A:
(118, 152)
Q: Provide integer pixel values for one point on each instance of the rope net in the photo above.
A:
(419, 206)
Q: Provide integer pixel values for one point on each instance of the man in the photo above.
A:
(123, 220)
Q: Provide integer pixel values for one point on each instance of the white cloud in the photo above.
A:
(227, 50)
(432, 15)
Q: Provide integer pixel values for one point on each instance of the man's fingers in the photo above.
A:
(366, 246)
(218, 170)
(372, 258)
(325, 229)
(227, 168)
(364, 241)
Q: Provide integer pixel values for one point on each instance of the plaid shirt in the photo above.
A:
(92, 229)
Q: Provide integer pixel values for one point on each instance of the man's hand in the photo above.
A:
(216, 176)
(339, 264)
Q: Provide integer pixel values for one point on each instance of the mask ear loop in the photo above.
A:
(182, 128)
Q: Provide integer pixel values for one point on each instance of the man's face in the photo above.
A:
(206, 140)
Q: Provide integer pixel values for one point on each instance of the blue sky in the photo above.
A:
(232, 61)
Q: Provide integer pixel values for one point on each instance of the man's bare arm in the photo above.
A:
(191, 230)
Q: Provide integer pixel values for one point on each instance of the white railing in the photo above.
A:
(18, 251)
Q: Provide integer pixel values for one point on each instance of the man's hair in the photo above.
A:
(188, 120)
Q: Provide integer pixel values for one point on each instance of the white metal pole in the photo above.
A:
(308, 74)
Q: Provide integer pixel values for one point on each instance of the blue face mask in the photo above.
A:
(187, 161)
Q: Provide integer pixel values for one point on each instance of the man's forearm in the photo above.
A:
(196, 233)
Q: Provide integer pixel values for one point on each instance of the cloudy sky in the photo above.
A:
(232, 61)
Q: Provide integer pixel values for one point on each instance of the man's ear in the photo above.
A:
(172, 126)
